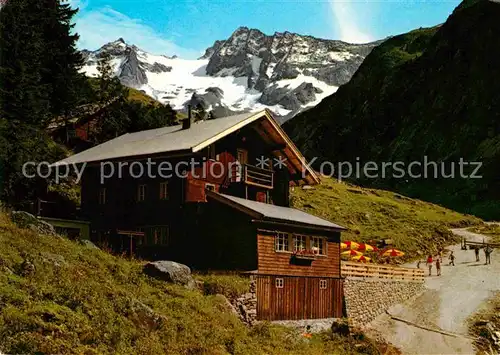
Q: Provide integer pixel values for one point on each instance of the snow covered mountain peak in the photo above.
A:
(285, 72)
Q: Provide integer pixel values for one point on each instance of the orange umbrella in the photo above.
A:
(349, 245)
(393, 252)
(351, 253)
(365, 247)
(361, 258)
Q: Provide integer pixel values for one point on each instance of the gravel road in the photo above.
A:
(450, 299)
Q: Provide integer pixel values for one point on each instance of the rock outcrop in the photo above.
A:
(170, 271)
(28, 221)
(131, 72)
(249, 52)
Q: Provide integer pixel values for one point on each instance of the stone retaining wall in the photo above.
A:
(367, 298)
(246, 304)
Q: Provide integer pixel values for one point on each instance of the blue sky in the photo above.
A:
(187, 27)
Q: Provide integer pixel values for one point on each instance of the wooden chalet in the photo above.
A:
(235, 218)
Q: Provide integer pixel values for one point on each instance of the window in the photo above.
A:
(211, 151)
(157, 235)
(102, 196)
(210, 187)
(242, 156)
(163, 190)
(279, 283)
(141, 192)
(317, 245)
(299, 242)
(322, 284)
(139, 239)
(281, 242)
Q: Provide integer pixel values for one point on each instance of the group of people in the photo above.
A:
(438, 261)
(487, 254)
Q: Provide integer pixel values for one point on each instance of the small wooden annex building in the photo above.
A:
(231, 218)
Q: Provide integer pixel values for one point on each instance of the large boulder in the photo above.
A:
(170, 271)
(28, 221)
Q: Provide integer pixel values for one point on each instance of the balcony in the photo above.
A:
(252, 175)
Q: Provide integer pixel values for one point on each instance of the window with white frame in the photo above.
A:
(210, 187)
(318, 245)
(102, 196)
(299, 242)
(163, 190)
(141, 192)
(281, 242)
(322, 284)
(279, 283)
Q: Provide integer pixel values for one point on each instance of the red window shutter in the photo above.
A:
(261, 197)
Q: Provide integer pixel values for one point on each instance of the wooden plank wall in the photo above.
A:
(300, 298)
(278, 263)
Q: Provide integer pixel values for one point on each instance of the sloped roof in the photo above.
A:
(162, 140)
(175, 140)
(275, 213)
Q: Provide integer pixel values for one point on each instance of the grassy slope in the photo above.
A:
(413, 225)
(83, 306)
(136, 95)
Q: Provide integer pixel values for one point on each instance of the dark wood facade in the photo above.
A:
(178, 219)
(283, 297)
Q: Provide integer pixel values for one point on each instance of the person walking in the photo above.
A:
(452, 259)
(438, 266)
(429, 264)
(487, 252)
(476, 251)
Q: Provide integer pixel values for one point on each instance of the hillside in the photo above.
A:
(416, 227)
(80, 300)
(428, 93)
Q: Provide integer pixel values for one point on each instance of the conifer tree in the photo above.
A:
(36, 66)
(62, 60)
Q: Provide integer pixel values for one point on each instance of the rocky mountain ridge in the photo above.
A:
(285, 72)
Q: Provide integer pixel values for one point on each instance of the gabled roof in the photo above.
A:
(271, 213)
(174, 140)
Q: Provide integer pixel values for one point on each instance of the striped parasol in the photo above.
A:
(366, 247)
(349, 245)
(361, 258)
(351, 253)
(392, 252)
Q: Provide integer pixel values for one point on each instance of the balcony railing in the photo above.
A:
(253, 175)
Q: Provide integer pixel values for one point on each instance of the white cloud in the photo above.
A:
(104, 25)
(348, 18)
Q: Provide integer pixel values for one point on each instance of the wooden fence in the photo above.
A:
(374, 271)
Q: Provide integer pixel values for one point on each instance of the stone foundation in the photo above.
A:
(246, 304)
(367, 298)
(317, 325)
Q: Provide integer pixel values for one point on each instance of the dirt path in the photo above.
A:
(448, 302)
